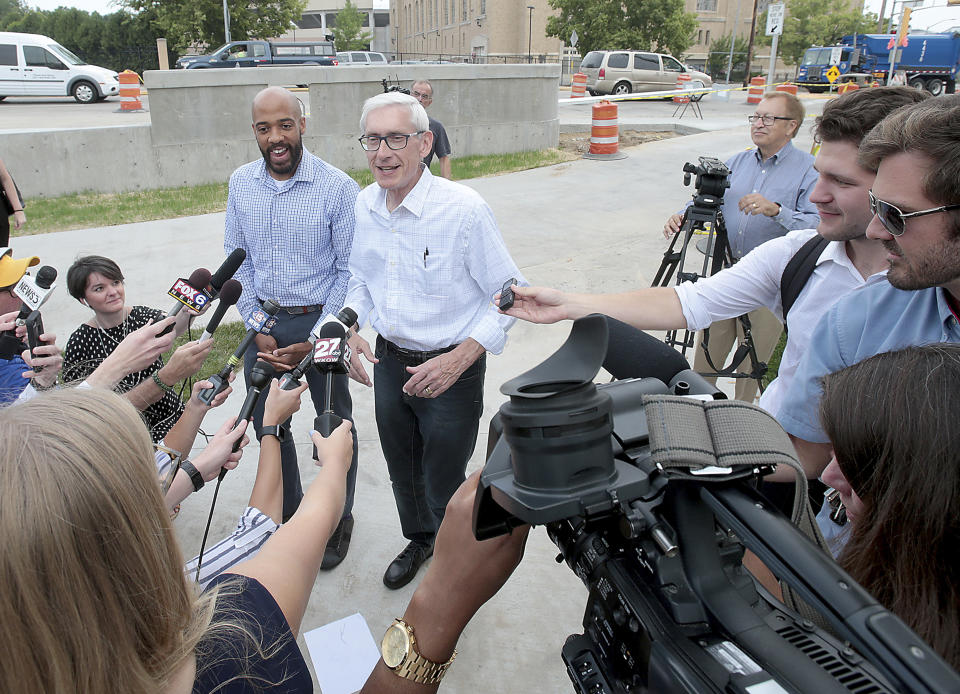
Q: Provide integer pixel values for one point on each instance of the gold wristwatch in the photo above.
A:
(400, 654)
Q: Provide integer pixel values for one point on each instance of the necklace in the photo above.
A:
(104, 331)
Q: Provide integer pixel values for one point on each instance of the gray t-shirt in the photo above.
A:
(441, 145)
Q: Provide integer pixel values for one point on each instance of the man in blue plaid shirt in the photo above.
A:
(294, 215)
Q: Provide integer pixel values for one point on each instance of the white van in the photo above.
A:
(35, 65)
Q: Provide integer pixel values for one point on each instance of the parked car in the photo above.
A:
(624, 72)
(263, 53)
(35, 65)
(361, 58)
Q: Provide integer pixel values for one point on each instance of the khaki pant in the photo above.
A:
(724, 334)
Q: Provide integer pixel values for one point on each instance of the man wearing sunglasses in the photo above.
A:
(427, 260)
(916, 204)
(422, 91)
(769, 195)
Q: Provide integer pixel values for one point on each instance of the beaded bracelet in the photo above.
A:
(160, 384)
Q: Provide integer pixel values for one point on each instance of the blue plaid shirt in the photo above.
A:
(297, 233)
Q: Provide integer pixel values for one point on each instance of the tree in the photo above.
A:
(348, 34)
(719, 58)
(189, 22)
(624, 24)
(814, 23)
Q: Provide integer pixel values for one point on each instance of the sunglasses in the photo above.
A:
(893, 218)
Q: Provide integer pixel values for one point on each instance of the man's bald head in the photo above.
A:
(276, 97)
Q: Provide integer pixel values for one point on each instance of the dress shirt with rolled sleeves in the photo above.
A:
(878, 318)
(425, 274)
(754, 282)
(297, 234)
(786, 178)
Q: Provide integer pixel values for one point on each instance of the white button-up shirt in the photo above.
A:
(754, 281)
(425, 274)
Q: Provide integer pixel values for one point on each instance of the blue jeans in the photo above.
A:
(426, 441)
(289, 330)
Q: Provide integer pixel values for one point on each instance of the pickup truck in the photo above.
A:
(263, 53)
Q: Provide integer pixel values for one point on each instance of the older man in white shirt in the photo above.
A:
(426, 262)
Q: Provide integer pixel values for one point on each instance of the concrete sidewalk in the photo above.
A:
(582, 226)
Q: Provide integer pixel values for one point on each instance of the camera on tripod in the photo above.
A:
(712, 176)
(649, 498)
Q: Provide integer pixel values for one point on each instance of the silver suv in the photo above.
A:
(362, 58)
(623, 72)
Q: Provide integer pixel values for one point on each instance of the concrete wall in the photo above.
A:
(200, 127)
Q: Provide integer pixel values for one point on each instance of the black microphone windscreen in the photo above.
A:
(347, 316)
(199, 278)
(228, 269)
(631, 353)
(46, 276)
(230, 292)
(331, 329)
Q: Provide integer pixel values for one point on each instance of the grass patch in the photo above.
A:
(773, 366)
(86, 210)
(225, 341)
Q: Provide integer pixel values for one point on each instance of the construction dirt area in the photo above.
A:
(579, 143)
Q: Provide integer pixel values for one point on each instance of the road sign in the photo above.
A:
(574, 38)
(832, 74)
(775, 19)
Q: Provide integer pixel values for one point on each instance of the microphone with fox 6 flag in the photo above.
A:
(191, 292)
(260, 321)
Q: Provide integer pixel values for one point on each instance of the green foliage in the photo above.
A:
(118, 41)
(225, 341)
(348, 34)
(188, 22)
(814, 23)
(662, 25)
(719, 57)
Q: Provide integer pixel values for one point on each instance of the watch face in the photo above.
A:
(394, 646)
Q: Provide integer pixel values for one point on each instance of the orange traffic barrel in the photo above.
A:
(847, 87)
(683, 81)
(579, 88)
(129, 91)
(604, 135)
(787, 87)
(755, 93)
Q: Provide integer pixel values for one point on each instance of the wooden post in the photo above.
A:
(162, 54)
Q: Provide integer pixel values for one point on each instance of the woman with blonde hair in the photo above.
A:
(94, 596)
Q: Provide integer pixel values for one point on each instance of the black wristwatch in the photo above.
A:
(194, 474)
(275, 430)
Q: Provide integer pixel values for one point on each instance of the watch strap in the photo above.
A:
(194, 474)
(276, 430)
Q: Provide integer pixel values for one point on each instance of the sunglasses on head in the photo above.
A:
(893, 219)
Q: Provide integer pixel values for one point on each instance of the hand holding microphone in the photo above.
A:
(260, 376)
(261, 321)
(347, 318)
(33, 294)
(331, 355)
(190, 292)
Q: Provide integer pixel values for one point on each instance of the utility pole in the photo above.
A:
(733, 39)
(753, 28)
(530, 35)
(226, 22)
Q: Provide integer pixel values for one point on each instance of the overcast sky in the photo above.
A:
(935, 13)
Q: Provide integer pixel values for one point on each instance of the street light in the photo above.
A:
(530, 34)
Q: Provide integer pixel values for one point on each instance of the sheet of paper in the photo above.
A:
(343, 654)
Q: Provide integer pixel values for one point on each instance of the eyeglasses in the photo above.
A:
(371, 143)
(420, 96)
(766, 120)
(893, 218)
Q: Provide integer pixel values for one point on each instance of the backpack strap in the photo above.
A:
(798, 271)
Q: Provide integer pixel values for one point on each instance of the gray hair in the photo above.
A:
(418, 115)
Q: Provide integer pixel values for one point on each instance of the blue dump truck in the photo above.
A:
(929, 61)
(263, 53)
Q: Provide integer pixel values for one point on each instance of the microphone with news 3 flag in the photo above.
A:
(261, 321)
(33, 294)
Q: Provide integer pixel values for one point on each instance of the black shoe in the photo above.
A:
(402, 569)
(338, 545)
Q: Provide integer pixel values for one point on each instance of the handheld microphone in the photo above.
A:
(34, 326)
(347, 317)
(226, 270)
(34, 292)
(261, 321)
(229, 295)
(190, 292)
(331, 354)
(260, 376)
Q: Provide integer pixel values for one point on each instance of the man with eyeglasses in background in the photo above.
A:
(422, 91)
(915, 199)
(769, 195)
(427, 260)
